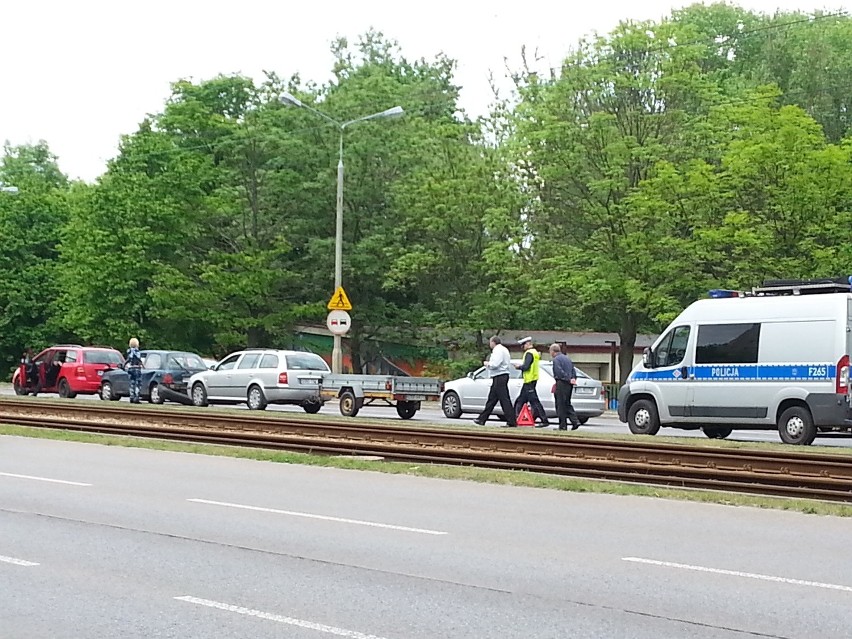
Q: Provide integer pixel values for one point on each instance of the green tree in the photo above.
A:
(585, 141)
(30, 225)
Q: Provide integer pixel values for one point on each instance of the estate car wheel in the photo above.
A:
(256, 399)
(796, 426)
(717, 432)
(642, 418)
(312, 407)
(19, 390)
(64, 390)
(349, 404)
(451, 405)
(154, 396)
(199, 395)
(406, 410)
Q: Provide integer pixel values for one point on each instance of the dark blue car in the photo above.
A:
(164, 377)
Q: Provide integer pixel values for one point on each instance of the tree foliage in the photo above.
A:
(710, 148)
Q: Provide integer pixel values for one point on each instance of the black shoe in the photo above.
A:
(563, 428)
(478, 423)
(575, 426)
(542, 425)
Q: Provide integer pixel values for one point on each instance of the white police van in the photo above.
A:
(776, 357)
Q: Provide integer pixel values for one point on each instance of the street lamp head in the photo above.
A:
(393, 112)
(290, 99)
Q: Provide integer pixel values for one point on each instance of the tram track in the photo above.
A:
(752, 470)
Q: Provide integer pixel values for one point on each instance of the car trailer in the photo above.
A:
(355, 391)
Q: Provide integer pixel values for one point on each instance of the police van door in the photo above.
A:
(727, 387)
(670, 374)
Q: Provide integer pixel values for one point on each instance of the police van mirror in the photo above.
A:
(646, 357)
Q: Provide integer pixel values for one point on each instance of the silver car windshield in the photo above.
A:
(306, 362)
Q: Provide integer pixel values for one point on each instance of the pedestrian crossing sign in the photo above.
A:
(339, 301)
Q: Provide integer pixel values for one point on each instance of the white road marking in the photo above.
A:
(17, 562)
(737, 573)
(342, 520)
(52, 481)
(301, 623)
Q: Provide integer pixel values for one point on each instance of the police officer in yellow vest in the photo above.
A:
(529, 368)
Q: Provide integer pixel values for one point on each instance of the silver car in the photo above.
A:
(469, 394)
(260, 377)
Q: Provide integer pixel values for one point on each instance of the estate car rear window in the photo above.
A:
(269, 361)
(306, 362)
(186, 361)
(102, 357)
(727, 344)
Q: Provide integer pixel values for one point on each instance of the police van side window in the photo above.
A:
(727, 344)
(672, 349)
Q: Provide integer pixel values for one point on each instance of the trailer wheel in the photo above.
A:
(406, 410)
(312, 407)
(796, 426)
(349, 404)
(716, 432)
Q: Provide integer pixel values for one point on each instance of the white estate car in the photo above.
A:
(469, 394)
(260, 377)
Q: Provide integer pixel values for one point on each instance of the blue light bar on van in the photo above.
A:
(720, 293)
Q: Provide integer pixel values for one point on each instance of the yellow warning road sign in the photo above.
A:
(339, 301)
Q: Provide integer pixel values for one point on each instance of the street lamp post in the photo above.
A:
(290, 99)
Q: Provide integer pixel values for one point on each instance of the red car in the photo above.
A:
(69, 370)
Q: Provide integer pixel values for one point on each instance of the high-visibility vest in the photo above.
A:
(531, 374)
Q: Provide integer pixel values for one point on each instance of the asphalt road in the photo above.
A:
(109, 542)
(431, 412)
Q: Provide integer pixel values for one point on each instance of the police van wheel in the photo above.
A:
(796, 426)
(642, 418)
(714, 432)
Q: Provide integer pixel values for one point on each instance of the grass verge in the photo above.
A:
(466, 473)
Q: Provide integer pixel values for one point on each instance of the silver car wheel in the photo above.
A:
(198, 395)
(106, 391)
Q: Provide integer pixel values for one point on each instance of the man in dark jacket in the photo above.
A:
(566, 378)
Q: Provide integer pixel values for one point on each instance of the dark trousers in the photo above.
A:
(564, 410)
(529, 394)
(499, 393)
(135, 375)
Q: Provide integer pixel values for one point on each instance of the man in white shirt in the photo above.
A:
(498, 368)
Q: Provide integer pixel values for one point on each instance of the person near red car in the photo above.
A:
(134, 369)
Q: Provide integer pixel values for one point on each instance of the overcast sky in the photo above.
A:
(80, 73)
